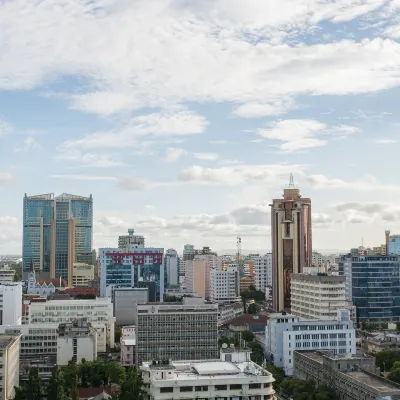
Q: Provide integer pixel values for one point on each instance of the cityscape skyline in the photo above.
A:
(195, 139)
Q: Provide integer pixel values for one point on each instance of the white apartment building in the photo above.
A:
(99, 312)
(317, 259)
(262, 266)
(228, 312)
(225, 285)
(6, 275)
(285, 333)
(317, 296)
(9, 363)
(76, 341)
(11, 304)
(171, 261)
(82, 274)
(233, 376)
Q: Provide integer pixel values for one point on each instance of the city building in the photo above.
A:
(232, 376)
(83, 274)
(11, 304)
(197, 278)
(44, 287)
(184, 331)
(255, 323)
(285, 333)
(246, 282)
(188, 252)
(76, 340)
(132, 268)
(130, 241)
(317, 259)
(171, 264)
(291, 242)
(9, 361)
(228, 312)
(57, 232)
(6, 275)
(225, 285)
(393, 244)
(317, 296)
(352, 377)
(262, 266)
(373, 286)
(99, 312)
(128, 345)
(124, 302)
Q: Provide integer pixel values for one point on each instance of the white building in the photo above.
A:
(285, 333)
(171, 261)
(82, 274)
(44, 287)
(125, 300)
(233, 376)
(11, 304)
(317, 296)
(128, 345)
(262, 266)
(99, 312)
(228, 312)
(6, 275)
(9, 361)
(317, 259)
(225, 285)
(76, 340)
(131, 240)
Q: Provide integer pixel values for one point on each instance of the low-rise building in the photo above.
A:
(352, 377)
(233, 376)
(248, 322)
(9, 361)
(246, 282)
(128, 345)
(6, 275)
(228, 312)
(285, 333)
(76, 340)
(83, 274)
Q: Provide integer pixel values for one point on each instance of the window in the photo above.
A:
(186, 389)
(254, 385)
(201, 388)
(166, 390)
(221, 387)
(235, 387)
(267, 385)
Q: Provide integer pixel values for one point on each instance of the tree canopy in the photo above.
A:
(305, 390)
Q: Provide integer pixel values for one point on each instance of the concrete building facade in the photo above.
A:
(9, 371)
(171, 264)
(124, 302)
(11, 304)
(285, 333)
(82, 274)
(225, 285)
(128, 346)
(262, 267)
(184, 331)
(291, 242)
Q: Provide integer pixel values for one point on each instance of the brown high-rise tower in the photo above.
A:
(291, 242)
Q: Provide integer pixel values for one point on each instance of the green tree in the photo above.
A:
(224, 339)
(19, 393)
(74, 391)
(248, 336)
(69, 374)
(117, 333)
(252, 288)
(34, 387)
(132, 388)
(253, 308)
(55, 389)
(386, 358)
(394, 375)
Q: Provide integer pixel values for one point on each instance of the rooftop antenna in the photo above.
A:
(291, 182)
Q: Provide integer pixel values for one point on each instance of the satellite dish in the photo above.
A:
(224, 345)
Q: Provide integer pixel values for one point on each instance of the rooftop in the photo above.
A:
(249, 319)
(376, 382)
(216, 368)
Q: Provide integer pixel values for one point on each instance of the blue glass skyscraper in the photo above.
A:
(58, 231)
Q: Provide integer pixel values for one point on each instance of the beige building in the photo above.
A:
(9, 371)
(83, 274)
(317, 296)
(291, 242)
(197, 278)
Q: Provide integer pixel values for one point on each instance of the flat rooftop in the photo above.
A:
(216, 368)
(382, 385)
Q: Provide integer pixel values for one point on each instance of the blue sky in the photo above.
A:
(184, 118)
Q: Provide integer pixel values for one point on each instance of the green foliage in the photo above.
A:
(305, 390)
(226, 340)
(19, 393)
(117, 333)
(253, 308)
(255, 295)
(84, 297)
(385, 359)
(171, 299)
(34, 387)
(248, 336)
(132, 388)
(56, 387)
(75, 393)
(252, 288)
(394, 375)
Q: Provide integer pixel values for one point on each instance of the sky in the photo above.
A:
(184, 118)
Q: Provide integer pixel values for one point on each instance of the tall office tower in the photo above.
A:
(188, 252)
(57, 232)
(171, 266)
(131, 240)
(291, 242)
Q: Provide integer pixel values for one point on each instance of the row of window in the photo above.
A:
(204, 388)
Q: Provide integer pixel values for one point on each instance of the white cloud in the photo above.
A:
(363, 212)
(6, 178)
(80, 159)
(29, 143)
(384, 141)
(10, 234)
(346, 129)
(5, 128)
(176, 121)
(173, 154)
(296, 134)
(256, 110)
(83, 177)
(237, 174)
(206, 156)
(130, 183)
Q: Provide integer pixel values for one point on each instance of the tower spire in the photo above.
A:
(291, 182)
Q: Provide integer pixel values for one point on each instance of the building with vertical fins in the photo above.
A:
(291, 242)
(57, 232)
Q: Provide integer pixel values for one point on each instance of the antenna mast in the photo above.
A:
(239, 254)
